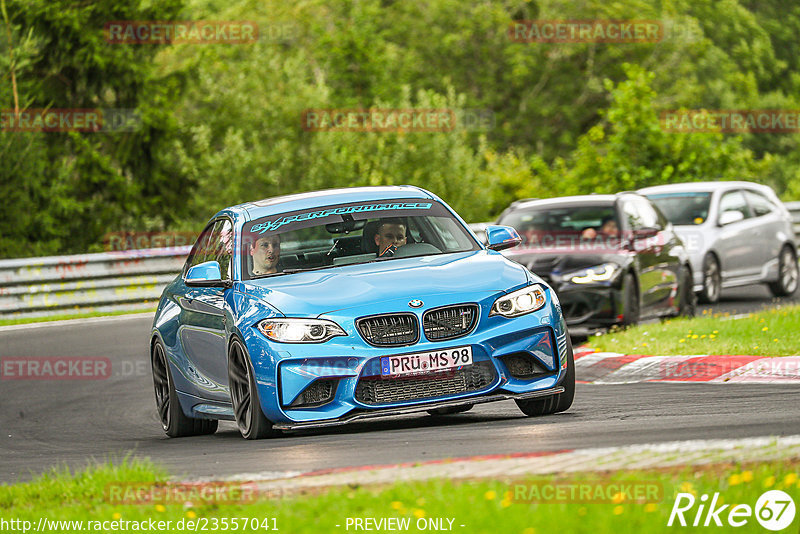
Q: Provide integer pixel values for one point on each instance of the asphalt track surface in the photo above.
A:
(70, 422)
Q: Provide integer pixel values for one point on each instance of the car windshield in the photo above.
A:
(347, 234)
(683, 208)
(561, 225)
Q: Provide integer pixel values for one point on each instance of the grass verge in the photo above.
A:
(75, 315)
(480, 506)
(769, 333)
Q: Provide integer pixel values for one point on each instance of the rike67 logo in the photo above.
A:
(774, 510)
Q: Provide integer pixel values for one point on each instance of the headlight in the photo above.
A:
(519, 302)
(290, 330)
(590, 275)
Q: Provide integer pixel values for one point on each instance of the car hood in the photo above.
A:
(315, 293)
(547, 261)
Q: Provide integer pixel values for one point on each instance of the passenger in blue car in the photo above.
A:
(390, 236)
(266, 252)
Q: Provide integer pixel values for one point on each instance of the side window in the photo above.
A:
(200, 249)
(760, 204)
(734, 201)
(223, 247)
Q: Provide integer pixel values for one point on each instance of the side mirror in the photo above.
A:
(730, 217)
(501, 237)
(644, 233)
(206, 274)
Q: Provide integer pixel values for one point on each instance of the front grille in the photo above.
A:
(382, 390)
(390, 330)
(450, 322)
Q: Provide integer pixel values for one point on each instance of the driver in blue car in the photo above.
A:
(266, 252)
(390, 236)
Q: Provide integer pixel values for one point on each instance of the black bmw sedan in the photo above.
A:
(612, 259)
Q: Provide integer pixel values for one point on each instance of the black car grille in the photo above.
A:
(381, 390)
(450, 322)
(389, 330)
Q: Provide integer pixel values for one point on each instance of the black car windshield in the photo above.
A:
(683, 208)
(346, 234)
(563, 226)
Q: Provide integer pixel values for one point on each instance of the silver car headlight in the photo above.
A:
(591, 275)
(525, 300)
(300, 330)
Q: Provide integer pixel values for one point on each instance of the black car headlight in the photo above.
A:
(525, 300)
(300, 330)
(593, 275)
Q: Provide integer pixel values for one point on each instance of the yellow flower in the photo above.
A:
(397, 505)
(701, 337)
(490, 495)
(711, 336)
(116, 515)
(687, 487)
(755, 346)
(734, 480)
(776, 339)
(419, 513)
(681, 340)
(505, 503)
(769, 482)
(694, 336)
(650, 507)
(690, 331)
(764, 329)
(617, 498)
(644, 344)
(161, 508)
(715, 332)
(529, 530)
(747, 476)
(190, 514)
(790, 479)
(618, 510)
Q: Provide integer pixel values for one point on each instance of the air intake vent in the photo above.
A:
(382, 390)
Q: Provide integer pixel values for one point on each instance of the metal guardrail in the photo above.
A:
(113, 281)
(129, 280)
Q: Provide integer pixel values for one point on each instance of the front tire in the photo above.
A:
(554, 403)
(630, 300)
(712, 280)
(688, 302)
(174, 422)
(244, 395)
(787, 274)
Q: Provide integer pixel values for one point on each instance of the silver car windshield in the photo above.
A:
(683, 208)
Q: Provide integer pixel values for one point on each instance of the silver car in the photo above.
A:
(736, 233)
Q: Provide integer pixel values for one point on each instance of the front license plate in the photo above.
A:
(422, 362)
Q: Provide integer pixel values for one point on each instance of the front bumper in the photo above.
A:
(388, 412)
(591, 306)
(284, 372)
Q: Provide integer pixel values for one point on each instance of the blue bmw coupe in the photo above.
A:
(323, 308)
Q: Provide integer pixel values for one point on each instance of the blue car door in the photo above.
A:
(203, 330)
